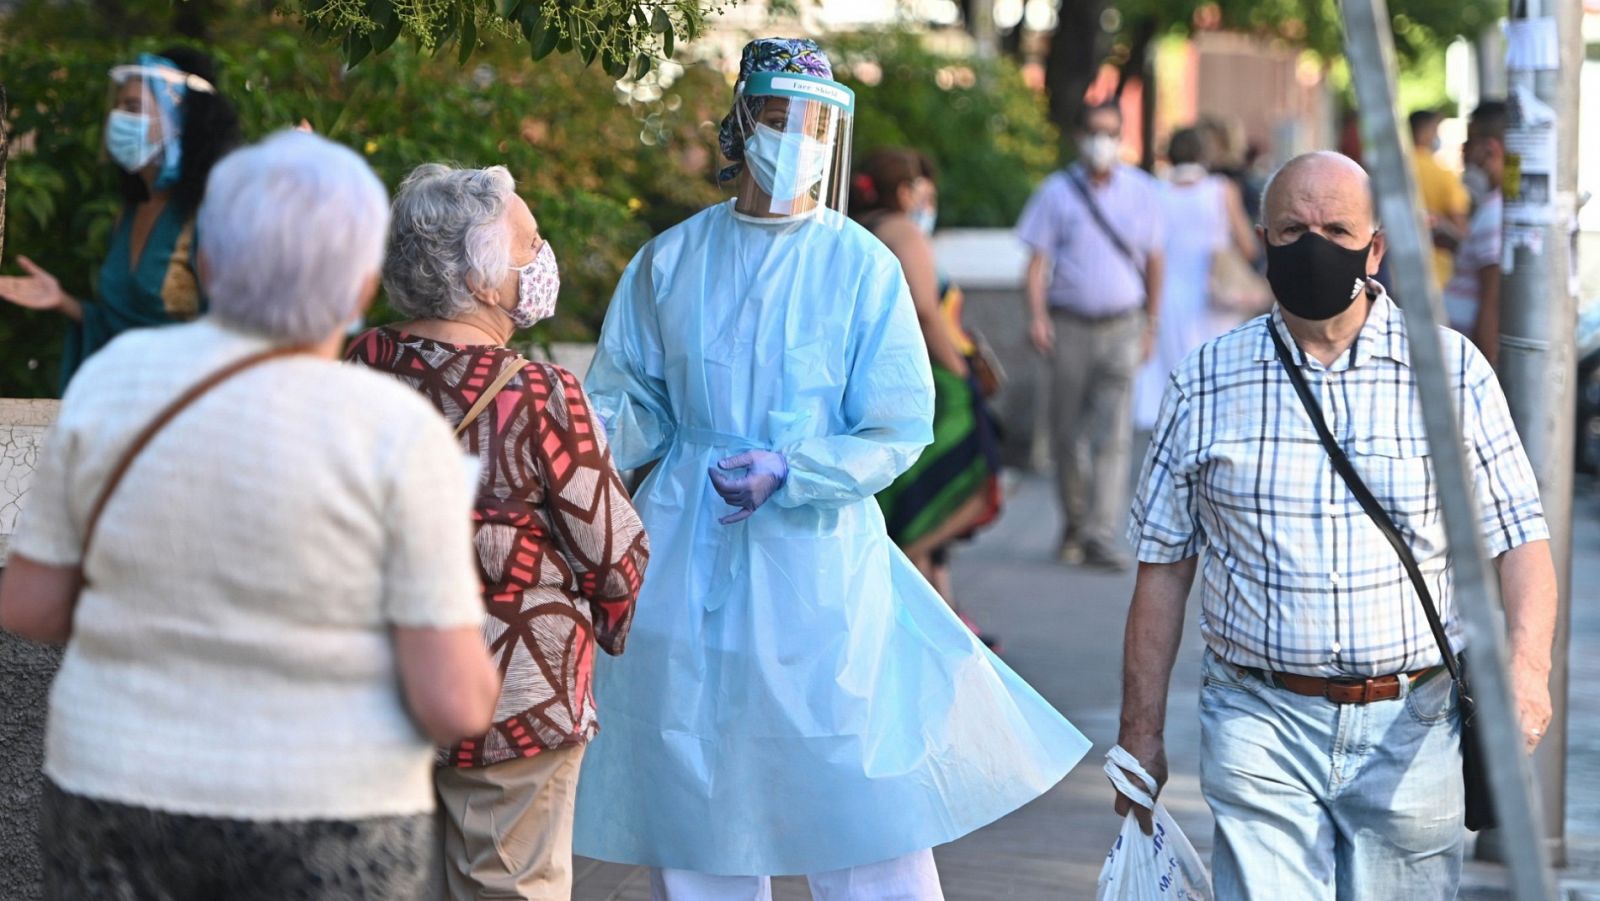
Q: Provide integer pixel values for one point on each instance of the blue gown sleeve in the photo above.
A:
(887, 404)
(626, 380)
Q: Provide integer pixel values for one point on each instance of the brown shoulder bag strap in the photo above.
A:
(167, 414)
(487, 397)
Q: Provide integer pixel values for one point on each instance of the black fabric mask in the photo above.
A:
(1314, 278)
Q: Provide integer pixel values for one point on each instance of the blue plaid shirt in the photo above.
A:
(1296, 578)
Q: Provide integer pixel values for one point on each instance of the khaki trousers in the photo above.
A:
(1091, 412)
(507, 828)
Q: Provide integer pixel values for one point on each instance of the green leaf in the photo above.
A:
(381, 12)
(509, 8)
(533, 26)
(660, 23)
(642, 65)
(385, 36)
(544, 41)
(356, 48)
(666, 43)
(469, 38)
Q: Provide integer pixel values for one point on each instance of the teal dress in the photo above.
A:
(161, 290)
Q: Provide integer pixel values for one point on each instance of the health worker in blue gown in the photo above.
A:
(795, 698)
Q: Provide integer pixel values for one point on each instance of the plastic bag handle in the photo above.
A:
(1119, 763)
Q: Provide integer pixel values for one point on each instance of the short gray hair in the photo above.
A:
(291, 230)
(448, 236)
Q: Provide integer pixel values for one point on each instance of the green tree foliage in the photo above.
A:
(1419, 25)
(579, 154)
(624, 35)
(989, 134)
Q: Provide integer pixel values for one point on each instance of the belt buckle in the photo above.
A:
(1368, 686)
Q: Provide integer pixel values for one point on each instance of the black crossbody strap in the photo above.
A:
(1374, 510)
(1105, 226)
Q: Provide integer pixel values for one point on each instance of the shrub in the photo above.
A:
(989, 134)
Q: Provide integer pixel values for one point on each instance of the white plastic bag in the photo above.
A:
(1158, 867)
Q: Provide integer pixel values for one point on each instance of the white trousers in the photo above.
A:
(909, 878)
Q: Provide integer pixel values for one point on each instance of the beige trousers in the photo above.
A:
(1091, 414)
(507, 828)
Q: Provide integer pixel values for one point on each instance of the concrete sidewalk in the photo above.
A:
(1062, 631)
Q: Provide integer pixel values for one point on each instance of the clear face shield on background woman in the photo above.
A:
(797, 132)
(144, 125)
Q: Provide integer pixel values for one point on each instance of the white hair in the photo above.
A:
(448, 237)
(291, 230)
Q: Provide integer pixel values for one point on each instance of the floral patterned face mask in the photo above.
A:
(538, 283)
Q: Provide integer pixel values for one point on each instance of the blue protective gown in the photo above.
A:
(794, 698)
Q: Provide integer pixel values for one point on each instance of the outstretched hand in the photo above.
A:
(38, 290)
(765, 473)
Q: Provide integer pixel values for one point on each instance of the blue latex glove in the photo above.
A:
(766, 474)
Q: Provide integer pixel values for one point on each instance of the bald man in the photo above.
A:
(1330, 739)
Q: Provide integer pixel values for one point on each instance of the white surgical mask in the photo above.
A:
(1099, 152)
(926, 219)
(785, 164)
(538, 283)
(1476, 182)
(128, 140)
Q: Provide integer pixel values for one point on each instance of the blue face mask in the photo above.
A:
(128, 140)
(785, 164)
(925, 219)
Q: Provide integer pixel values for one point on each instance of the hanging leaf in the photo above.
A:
(356, 48)
(619, 29)
(533, 27)
(642, 65)
(469, 38)
(388, 22)
(543, 41)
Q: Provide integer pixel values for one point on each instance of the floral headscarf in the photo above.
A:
(800, 56)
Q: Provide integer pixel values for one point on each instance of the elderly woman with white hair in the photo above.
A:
(561, 553)
(260, 564)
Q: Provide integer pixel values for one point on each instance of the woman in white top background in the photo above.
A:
(1206, 216)
(278, 616)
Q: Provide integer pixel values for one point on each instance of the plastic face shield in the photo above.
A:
(796, 143)
(144, 125)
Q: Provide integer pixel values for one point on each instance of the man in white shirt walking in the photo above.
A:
(1094, 292)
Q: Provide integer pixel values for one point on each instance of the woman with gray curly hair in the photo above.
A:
(257, 561)
(561, 553)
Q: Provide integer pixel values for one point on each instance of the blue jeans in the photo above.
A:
(1316, 800)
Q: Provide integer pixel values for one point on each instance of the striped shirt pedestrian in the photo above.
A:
(1297, 579)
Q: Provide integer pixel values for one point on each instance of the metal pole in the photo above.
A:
(1490, 50)
(1538, 318)
(4, 147)
(1369, 46)
(984, 36)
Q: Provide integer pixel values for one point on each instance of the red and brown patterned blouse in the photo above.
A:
(560, 549)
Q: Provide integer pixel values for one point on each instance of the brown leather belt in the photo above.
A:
(1347, 691)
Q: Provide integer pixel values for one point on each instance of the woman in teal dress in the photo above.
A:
(166, 128)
